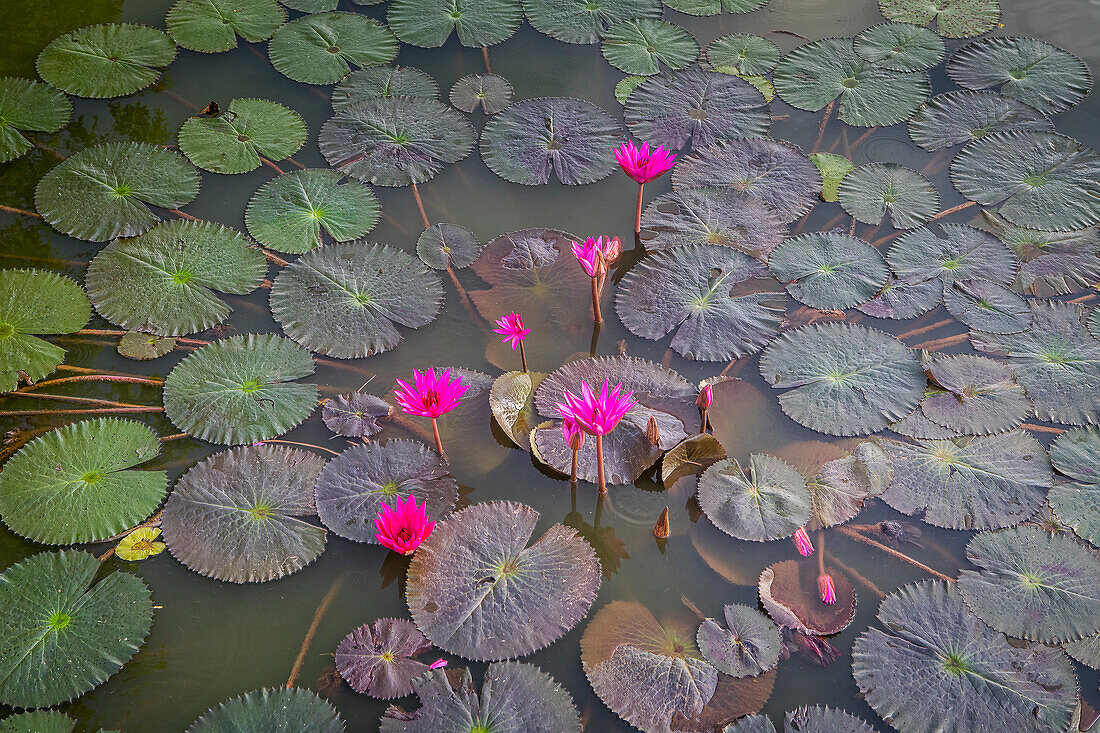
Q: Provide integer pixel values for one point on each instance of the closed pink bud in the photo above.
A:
(802, 542)
(826, 589)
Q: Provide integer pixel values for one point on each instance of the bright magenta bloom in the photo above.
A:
(438, 663)
(802, 542)
(597, 414)
(402, 530)
(643, 165)
(573, 435)
(589, 255)
(430, 395)
(826, 589)
(511, 327)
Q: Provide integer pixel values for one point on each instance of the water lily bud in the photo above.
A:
(652, 431)
(661, 530)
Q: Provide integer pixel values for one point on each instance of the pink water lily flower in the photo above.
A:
(802, 542)
(404, 528)
(642, 164)
(597, 415)
(826, 589)
(430, 395)
(589, 255)
(438, 663)
(512, 328)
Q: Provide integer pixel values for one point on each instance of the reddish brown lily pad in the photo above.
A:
(788, 591)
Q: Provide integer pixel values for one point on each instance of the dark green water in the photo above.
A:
(211, 640)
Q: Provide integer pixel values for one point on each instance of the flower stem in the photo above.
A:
(638, 210)
(573, 470)
(596, 314)
(703, 427)
(420, 205)
(523, 357)
(86, 411)
(151, 381)
(438, 442)
(820, 552)
(485, 58)
(600, 482)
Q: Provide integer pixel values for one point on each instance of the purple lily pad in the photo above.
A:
(356, 414)
(380, 661)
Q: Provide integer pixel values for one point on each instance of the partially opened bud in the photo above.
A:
(573, 435)
(705, 398)
(652, 431)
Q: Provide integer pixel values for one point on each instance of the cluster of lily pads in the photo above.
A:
(722, 268)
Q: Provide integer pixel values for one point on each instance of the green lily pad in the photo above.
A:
(746, 646)
(476, 589)
(833, 169)
(321, 48)
(442, 246)
(28, 105)
(844, 379)
(720, 302)
(742, 52)
(490, 92)
(841, 486)
(163, 281)
(751, 724)
(355, 484)
(579, 21)
(238, 515)
(235, 140)
(380, 659)
(144, 346)
(980, 396)
(290, 212)
(829, 270)
(512, 400)
(714, 7)
(356, 414)
(36, 302)
(345, 300)
(900, 47)
(274, 709)
(312, 6)
(937, 666)
(571, 137)
(1041, 180)
(695, 107)
(1033, 585)
(874, 190)
(1086, 651)
(954, 18)
(642, 46)
(109, 60)
(722, 216)
(1078, 506)
(626, 86)
(789, 593)
(395, 141)
(916, 425)
(211, 26)
(65, 633)
(959, 252)
(38, 721)
(104, 191)
(1035, 72)
(901, 301)
(869, 95)
(1051, 263)
(241, 389)
(1077, 454)
(383, 82)
(766, 500)
(429, 23)
(690, 457)
(986, 306)
(964, 116)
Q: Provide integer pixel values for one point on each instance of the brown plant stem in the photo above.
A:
(926, 329)
(596, 314)
(44, 260)
(852, 573)
(485, 59)
(24, 212)
(312, 631)
(463, 295)
(85, 411)
(600, 482)
(638, 210)
(523, 356)
(821, 127)
(420, 206)
(173, 436)
(184, 215)
(943, 343)
(75, 400)
(271, 164)
(820, 552)
(272, 257)
(152, 381)
(945, 212)
(573, 470)
(304, 445)
(847, 531)
(1042, 428)
(438, 442)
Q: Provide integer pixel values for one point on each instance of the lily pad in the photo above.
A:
(1041, 180)
(901, 301)
(1035, 72)
(1086, 651)
(788, 592)
(109, 60)
(958, 252)
(986, 306)
(163, 281)
(345, 300)
(144, 346)
(380, 660)
(356, 414)
(844, 379)
(841, 486)
(833, 170)
(578, 21)
(734, 697)
(237, 515)
(1077, 454)
(690, 457)
(817, 719)
(236, 139)
(476, 589)
(980, 396)
(241, 389)
(512, 400)
(774, 172)
(36, 302)
(626, 86)
(712, 216)
(443, 246)
(274, 709)
(571, 137)
(960, 117)
(515, 698)
(105, 191)
(751, 724)
(490, 92)
(355, 484)
(1033, 585)
(694, 107)
(429, 23)
(641, 46)
(869, 95)
(28, 105)
(211, 26)
(714, 7)
(937, 666)
(74, 484)
(874, 190)
(395, 141)
(747, 645)
(742, 52)
(1078, 507)
(720, 302)
(1051, 263)
(290, 213)
(900, 46)
(65, 633)
(383, 82)
(766, 500)
(916, 425)
(321, 48)
(954, 18)
(829, 270)
(38, 721)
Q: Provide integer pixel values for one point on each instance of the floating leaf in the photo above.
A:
(1033, 585)
(383, 82)
(345, 300)
(210, 26)
(73, 484)
(321, 48)
(274, 709)
(490, 92)
(712, 216)
(354, 486)
(236, 139)
(38, 721)
(986, 306)
(380, 661)
(1041, 180)
(290, 212)
(28, 105)
(1078, 506)
(964, 116)
(140, 544)
(901, 301)
(954, 18)
(144, 346)
(980, 396)
(1086, 651)
(916, 425)
(1051, 263)
(442, 246)
(163, 281)
(720, 302)
(104, 191)
(829, 270)
(742, 52)
(900, 46)
(874, 190)
(395, 141)
(824, 720)
(356, 414)
(512, 400)
(846, 379)
(690, 457)
(515, 698)
(1077, 454)
(1035, 72)
(573, 138)
(747, 645)
(313, 6)
(733, 698)
(775, 172)
(572, 21)
(714, 7)
(428, 23)
(64, 633)
(695, 107)
(766, 500)
(476, 589)
(36, 302)
(833, 169)
(751, 724)
(109, 60)
(788, 592)
(626, 87)
(841, 486)
(959, 252)
(820, 72)
(241, 389)
(237, 515)
(642, 45)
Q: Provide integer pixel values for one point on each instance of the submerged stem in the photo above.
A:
(130, 379)
(485, 58)
(312, 631)
(821, 127)
(84, 411)
(849, 532)
(420, 205)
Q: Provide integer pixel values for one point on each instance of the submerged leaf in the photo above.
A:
(109, 60)
(442, 246)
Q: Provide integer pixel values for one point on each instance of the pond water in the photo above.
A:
(212, 640)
